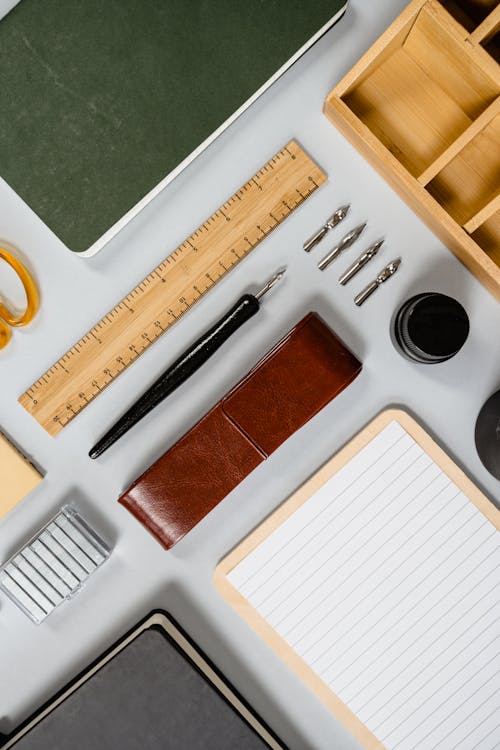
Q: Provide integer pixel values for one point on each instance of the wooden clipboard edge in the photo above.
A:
(288, 507)
(295, 663)
(447, 464)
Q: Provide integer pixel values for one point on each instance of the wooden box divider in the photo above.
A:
(423, 106)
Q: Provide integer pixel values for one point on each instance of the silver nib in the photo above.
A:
(337, 216)
(388, 271)
(330, 223)
(360, 262)
(344, 243)
(384, 274)
(272, 282)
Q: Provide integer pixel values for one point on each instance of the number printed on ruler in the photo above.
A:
(174, 286)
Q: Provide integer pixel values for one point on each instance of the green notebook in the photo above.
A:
(102, 102)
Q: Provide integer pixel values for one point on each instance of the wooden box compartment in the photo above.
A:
(423, 105)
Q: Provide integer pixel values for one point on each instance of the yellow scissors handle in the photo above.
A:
(32, 298)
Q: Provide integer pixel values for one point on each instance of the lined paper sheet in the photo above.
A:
(386, 582)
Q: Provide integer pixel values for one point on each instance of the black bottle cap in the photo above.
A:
(487, 435)
(431, 327)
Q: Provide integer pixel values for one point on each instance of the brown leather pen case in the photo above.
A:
(290, 384)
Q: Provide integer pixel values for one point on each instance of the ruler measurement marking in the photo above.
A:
(192, 269)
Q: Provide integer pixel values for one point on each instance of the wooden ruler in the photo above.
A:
(174, 286)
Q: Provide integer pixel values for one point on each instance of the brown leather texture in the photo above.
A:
(303, 372)
(189, 479)
(292, 382)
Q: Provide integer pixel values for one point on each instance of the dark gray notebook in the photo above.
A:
(154, 690)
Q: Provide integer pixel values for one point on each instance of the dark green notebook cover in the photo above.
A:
(101, 99)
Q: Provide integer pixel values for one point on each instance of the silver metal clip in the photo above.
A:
(330, 223)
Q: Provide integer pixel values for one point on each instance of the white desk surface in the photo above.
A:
(37, 660)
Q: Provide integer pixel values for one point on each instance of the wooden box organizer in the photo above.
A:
(423, 106)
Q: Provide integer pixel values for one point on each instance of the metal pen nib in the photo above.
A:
(272, 282)
(360, 262)
(344, 243)
(384, 274)
(330, 223)
(186, 364)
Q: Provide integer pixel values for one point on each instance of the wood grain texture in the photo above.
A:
(472, 179)
(399, 103)
(422, 105)
(487, 28)
(488, 236)
(289, 507)
(188, 273)
(484, 119)
(465, 71)
(479, 259)
(485, 213)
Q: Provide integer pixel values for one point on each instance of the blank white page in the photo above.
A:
(386, 583)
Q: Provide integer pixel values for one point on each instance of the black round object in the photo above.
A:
(431, 327)
(487, 435)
